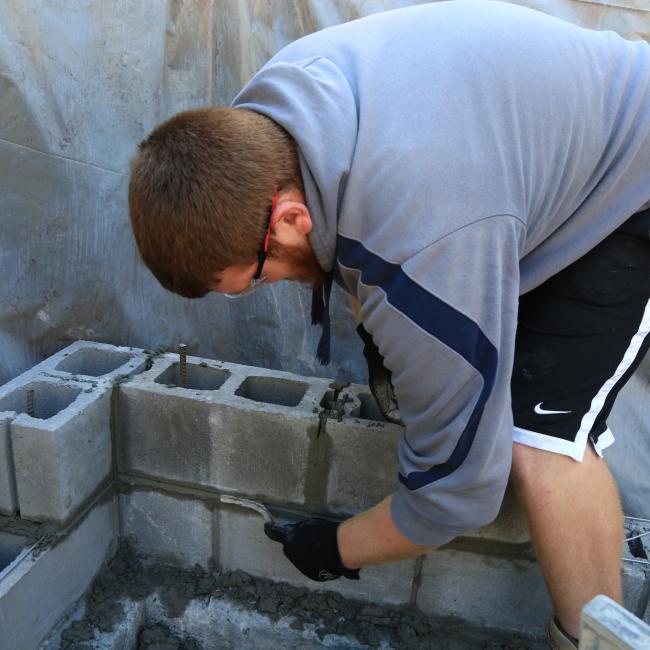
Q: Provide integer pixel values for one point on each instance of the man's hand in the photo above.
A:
(312, 547)
(379, 378)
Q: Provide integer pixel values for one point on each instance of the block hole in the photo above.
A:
(93, 362)
(48, 399)
(10, 547)
(369, 409)
(272, 390)
(198, 377)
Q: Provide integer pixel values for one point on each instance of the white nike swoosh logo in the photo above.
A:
(540, 411)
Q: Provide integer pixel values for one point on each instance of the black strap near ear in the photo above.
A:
(320, 315)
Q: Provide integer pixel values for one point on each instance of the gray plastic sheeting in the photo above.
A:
(81, 83)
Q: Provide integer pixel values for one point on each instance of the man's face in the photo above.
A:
(290, 254)
(285, 262)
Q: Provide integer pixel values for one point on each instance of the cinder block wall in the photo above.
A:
(299, 444)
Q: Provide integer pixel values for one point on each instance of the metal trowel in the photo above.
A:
(273, 530)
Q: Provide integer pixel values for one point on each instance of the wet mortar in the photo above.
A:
(127, 576)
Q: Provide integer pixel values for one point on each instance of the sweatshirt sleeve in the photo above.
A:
(445, 322)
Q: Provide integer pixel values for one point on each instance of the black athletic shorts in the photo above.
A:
(580, 336)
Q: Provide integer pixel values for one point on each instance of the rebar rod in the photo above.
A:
(30, 402)
(182, 365)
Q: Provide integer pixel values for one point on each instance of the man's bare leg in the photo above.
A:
(575, 519)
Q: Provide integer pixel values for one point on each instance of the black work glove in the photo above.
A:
(379, 378)
(312, 548)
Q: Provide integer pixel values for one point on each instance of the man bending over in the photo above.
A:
(474, 174)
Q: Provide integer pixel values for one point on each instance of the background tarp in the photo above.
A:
(81, 83)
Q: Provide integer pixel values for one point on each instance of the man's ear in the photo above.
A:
(291, 215)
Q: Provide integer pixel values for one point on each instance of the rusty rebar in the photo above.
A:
(30, 402)
(182, 364)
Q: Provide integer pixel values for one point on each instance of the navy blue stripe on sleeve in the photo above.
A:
(441, 321)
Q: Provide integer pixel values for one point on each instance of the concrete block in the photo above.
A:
(605, 624)
(485, 590)
(362, 463)
(359, 449)
(242, 544)
(172, 529)
(637, 536)
(251, 435)
(8, 500)
(63, 453)
(44, 585)
(636, 566)
(94, 362)
(636, 585)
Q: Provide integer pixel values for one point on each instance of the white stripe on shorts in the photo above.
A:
(605, 439)
(546, 442)
(598, 401)
(559, 445)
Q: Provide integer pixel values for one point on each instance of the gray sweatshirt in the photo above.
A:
(455, 156)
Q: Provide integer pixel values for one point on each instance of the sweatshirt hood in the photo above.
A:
(312, 100)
